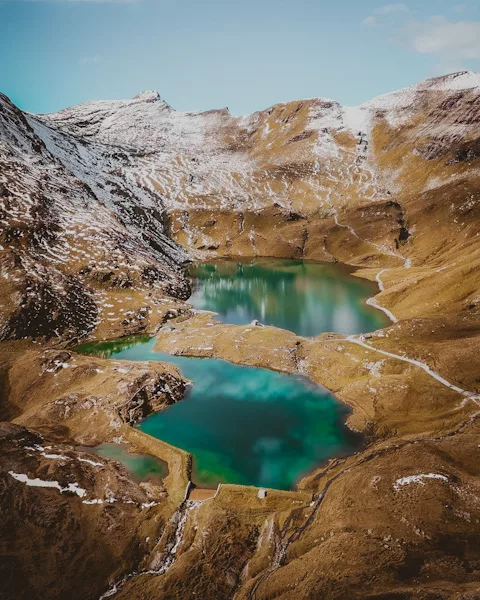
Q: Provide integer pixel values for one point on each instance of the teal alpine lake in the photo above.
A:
(243, 424)
(308, 298)
(141, 466)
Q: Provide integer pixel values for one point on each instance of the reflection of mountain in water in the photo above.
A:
(242, 424)
(107, 348)
(305, 297)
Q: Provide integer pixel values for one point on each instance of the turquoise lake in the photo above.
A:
(141, 466)
(249, 425)
(243, 424)
(308, 298)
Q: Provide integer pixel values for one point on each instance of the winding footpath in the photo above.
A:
(372, 302)
(360, 341)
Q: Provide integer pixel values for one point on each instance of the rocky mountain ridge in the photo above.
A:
(62, 246)
(309, 179)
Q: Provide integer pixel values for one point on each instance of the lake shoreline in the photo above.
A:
(143, 351)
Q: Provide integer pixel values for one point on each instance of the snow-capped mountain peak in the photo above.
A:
(148, 96)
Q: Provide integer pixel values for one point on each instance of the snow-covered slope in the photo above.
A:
(94, 192)
(60, 243)
(201, 159)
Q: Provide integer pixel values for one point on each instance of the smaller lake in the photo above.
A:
(143, 467)
(308, 298)
(243, 424)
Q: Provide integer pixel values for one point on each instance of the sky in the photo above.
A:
(246, 55)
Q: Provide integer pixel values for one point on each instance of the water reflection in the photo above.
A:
(141, 466)
(106, 348)
(308, 298)
(244, 424)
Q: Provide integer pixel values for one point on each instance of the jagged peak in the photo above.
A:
(148, 96)
(461, 80)
(151, 97)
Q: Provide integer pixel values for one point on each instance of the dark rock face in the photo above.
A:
(64, 238)
(468, 152)
(148, 395)
(43, 313)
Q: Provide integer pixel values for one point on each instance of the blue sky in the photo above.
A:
(246, 54)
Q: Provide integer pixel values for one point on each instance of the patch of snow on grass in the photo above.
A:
(91, 462)
(418, 479)
(71, 487)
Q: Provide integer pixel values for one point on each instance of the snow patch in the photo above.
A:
(71, 487)
(420, 479)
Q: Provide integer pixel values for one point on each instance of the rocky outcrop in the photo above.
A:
(82, 399)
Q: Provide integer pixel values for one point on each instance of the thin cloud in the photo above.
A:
(383, 11)
(370, 21)
(400, 7)
(456, 40)
(454, 43)
(89, 60)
